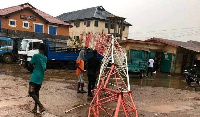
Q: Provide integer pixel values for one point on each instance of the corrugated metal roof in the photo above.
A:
(187, 45)
(139, 41)
(195, 42)
(90, 13)
(47, 17)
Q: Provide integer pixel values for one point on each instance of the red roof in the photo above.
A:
(9, 10)
(47, 17)
(161, 41)
(139, 41)
(187, 45)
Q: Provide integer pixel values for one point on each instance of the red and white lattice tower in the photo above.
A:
(95, 41)
(112, 97)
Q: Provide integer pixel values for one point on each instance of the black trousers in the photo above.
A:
(150, 69)
(34, 93)
(91, 82)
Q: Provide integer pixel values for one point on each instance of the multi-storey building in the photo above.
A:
(94, 20)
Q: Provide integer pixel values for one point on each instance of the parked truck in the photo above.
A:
(59, 57)
(8, 49)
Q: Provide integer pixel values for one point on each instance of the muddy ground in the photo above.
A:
(164, 95)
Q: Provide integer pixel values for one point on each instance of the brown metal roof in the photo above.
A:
(47, 17)
(187, 45)
(139, 41)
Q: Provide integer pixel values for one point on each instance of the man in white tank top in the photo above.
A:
(150, 66)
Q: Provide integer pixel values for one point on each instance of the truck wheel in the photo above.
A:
(7, 58)
(188, 82)
(71, 65)
(30, 67)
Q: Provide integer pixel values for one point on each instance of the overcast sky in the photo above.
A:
(169, 19)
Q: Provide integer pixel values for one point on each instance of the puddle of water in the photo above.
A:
(161, 80)
(158, 80)
(18, 71)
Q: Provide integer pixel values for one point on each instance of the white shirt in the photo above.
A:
(151, 61)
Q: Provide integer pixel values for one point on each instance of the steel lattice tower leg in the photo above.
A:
(113, 97)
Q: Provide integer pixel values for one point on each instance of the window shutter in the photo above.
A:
(96, 23)
(52, 30)
(38, 28)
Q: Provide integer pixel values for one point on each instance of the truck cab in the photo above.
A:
(6, 48)
(58, 55)
(28, 48)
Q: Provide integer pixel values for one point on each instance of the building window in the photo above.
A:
(123, 28)
(88, 24)
(112, 26)
(106, 25)
(77, 24)
(25, 24)
(96, 23)
(12, 23)
(53, 30)
(38, 28)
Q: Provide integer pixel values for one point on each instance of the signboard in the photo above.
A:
(33, 18)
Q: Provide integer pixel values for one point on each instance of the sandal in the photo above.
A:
(42, 110)
(33, 111)
(83, 91)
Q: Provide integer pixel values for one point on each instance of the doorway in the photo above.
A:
(166, 60)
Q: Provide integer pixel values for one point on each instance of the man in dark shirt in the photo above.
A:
(197, 62)
(93, 65)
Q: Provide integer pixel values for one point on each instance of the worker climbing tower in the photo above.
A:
(112, 97)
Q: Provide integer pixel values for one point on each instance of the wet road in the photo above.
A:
(166, 80)
(59, 94)
(18, 71)
(158, 80)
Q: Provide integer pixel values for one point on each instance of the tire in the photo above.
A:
(71, 65)
(188, 82)
(30, 67)
(7, 58)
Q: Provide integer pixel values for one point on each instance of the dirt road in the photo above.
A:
(58, 94)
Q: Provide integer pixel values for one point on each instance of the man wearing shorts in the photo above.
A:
(39, 61)
(79, 71)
